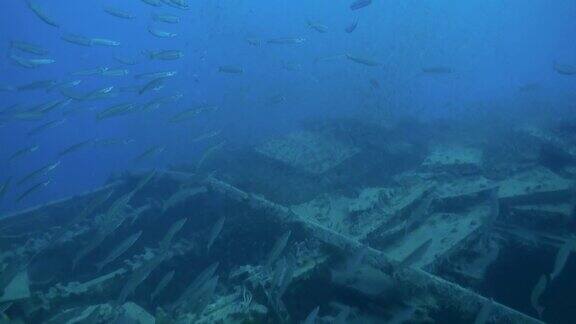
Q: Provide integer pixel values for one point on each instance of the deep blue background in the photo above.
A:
(495, 47)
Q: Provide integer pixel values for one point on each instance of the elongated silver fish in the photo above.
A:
(23, 151)
(125, 60)
(317, 26)
(181, 196)
(164, 55)
(190, 114)
(116, 110)
(104, 42)
(230, 69)
(286, 40)
(564, 69)
(536, 293)
(77, 39)
(362, 60)
(139, 275)
(162, 284)
(119, 250)
(33, 189)
(31, 63)
(52, 105)
(36, 85)
(39, 172)
(172, 231)
(75, 147)
(29, 48)
(88, 72)
(46, 126)
(116, 72)
(154, 3)
(161, 33)
(152, 151)
(41, 13)
(311, 318)
(277, 249)
(156, 75)
(352, 27)
(153, 85)
(198, 282)
(166, 18)
(437, 70)
(118, 13)
(215, 232)
(561, 257)
(359, 4)
(4, 187)
(208, 153)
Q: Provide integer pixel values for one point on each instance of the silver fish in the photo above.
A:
(4, 187)
(43, 171)
(215, 231)
(139, 275)
(564, 69)
(77, 39)
(29, 48)
(537, 292)
(181, 196)
(104, 42)
(125, 60)
(200, 280)
(118, 251)
(561, 257)
(46, 126)
(155, 75)
(230, 69)
(286, 40)
(362, 60)
(162, 284)
(359, 4)
(172, 231)
(116, 110)
(118, 13)
(161, 33)
(154, 3)
(37, 85)
(317, 27)
(31, 63)
(164, 55)
(42, 14)
(311, 318)
(115, 72)
(75, 147)
(33, 189)
(277, 249)
(153, 85)
(166, 18)
(437, 70)
(24, 151)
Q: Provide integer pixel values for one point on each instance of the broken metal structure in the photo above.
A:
(364, 228)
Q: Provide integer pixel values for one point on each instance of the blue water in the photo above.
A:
(494, 47)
